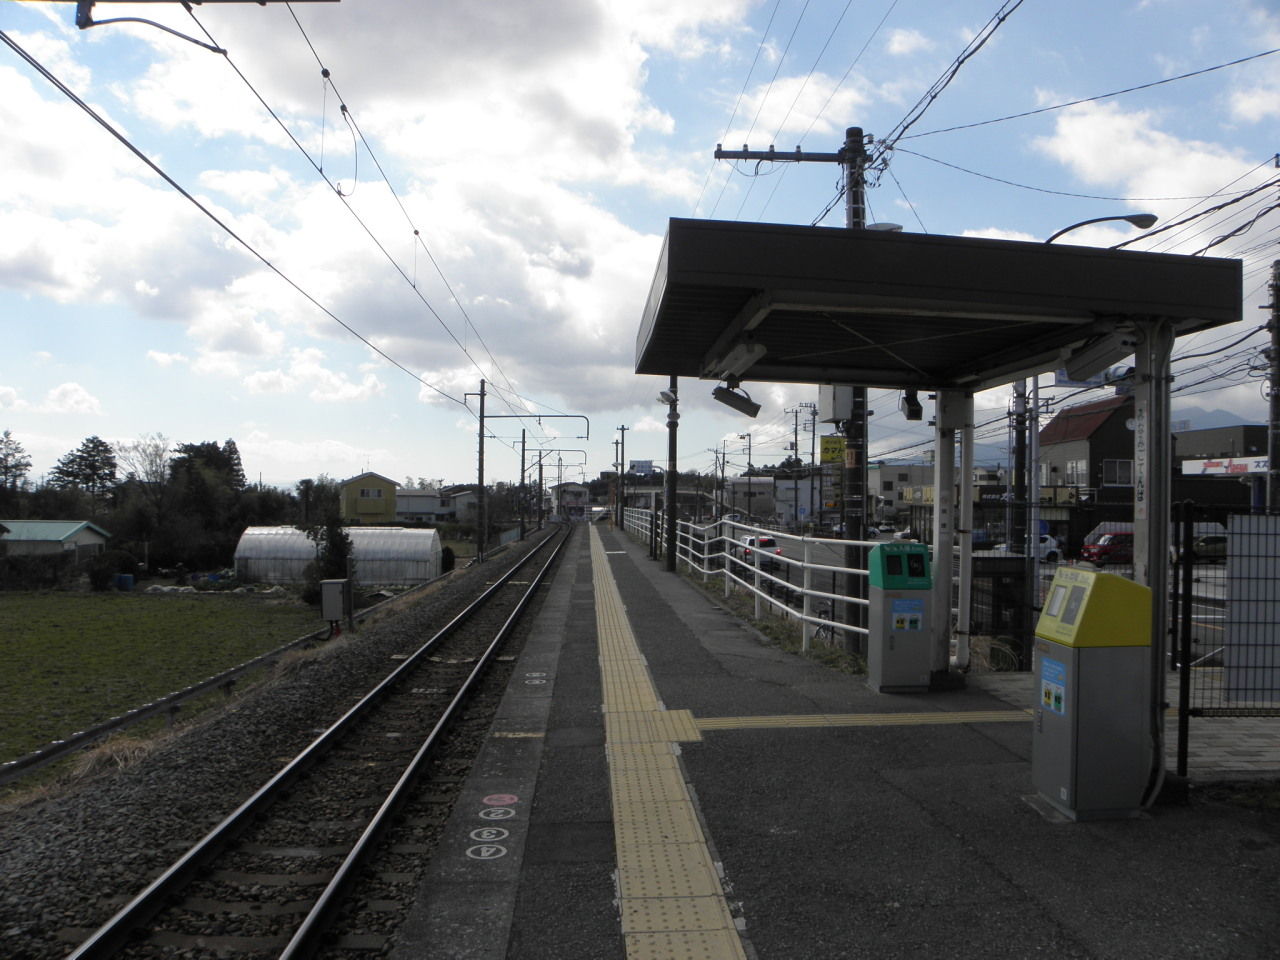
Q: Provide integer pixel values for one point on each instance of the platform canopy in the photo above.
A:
(780, 303)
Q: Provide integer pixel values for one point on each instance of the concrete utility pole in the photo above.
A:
(481, 518)
(1273, 386)
(673, 477)
(747, 437)
(853, 157)
(622, 482)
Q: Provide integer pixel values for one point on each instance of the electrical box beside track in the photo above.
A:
(899, 653)
(1091, 747)
(335, 600)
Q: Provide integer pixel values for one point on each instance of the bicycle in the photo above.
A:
(825, 633)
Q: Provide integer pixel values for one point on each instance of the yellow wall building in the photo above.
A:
(369, 498)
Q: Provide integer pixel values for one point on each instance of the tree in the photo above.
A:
(235, 469)
(91, 467)
(145, 459)
(14, 464)
(318, 500)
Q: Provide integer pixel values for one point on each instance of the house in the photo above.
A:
(423, 505)
(1088, 448)
(29, 538)
(463, 500)
(570, 500)
(368, 498)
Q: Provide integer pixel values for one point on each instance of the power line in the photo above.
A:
(349, 118)
(71, 95)
(1221, 206)
(1101, 96)
(732, 116)
(1056, 193)
(988, 30)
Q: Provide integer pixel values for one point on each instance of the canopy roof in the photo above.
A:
(797, 304)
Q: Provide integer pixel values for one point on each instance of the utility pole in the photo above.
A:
(747, 437)
(795, 473)
(481, 518)
(617, 480)
(1273, 385)
(853, 157)
(622, 481)
(813, 455)
(541, 496)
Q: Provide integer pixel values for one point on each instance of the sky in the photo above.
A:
(373, 205)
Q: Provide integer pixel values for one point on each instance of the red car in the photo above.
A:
(1109, 548)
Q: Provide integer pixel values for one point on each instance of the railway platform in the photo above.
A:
(661, 783)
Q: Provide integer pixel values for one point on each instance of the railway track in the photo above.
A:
(353, 810)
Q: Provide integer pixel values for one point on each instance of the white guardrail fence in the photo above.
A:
(789, 581)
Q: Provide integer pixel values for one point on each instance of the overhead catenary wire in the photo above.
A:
(258, 255)
(327, 77)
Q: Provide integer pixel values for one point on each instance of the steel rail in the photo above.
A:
(109, 937)
(306, 940)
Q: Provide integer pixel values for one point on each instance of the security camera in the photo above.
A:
(739, 401)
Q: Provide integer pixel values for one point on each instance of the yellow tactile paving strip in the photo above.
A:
(670, 897)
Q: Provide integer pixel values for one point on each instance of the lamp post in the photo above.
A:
(1030, 429)
(671, 476)
(1140, 220)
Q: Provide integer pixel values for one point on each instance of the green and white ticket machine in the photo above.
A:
(899, 655)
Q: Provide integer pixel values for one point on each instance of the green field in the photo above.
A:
(70, 660)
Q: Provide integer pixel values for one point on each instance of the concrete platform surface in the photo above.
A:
(661, 783)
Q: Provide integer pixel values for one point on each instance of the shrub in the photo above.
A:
(102, 569)
(46, 572)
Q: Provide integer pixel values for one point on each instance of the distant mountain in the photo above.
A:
(1202, 419)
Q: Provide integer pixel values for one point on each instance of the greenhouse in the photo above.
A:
(383, 555)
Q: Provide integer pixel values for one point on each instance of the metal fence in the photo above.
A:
(808, 579)
(1225, 617)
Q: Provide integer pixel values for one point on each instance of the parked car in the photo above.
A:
(1050, 550)
(1209, 548)
(767, 546)
(1109, 548)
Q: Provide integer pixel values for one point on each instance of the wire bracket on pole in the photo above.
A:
(84, 20)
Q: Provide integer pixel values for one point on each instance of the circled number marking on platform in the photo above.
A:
(487, 851)
(490, 834)
(500, 800)
(497, 813)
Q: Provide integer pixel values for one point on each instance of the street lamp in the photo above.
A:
(671, 476)
(1140, 220)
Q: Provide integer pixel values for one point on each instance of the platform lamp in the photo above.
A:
(671, 477)
(1080, 360)
(1142, 221)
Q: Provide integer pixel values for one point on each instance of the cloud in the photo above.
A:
(66, 398)
(903, 42)
(1105, 146)
(69, 398)
(161, 359)
(307, 371)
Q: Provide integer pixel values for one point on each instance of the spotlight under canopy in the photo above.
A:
(740, 401)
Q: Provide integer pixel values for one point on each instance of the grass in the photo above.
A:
(779, 631)
(72, 660)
